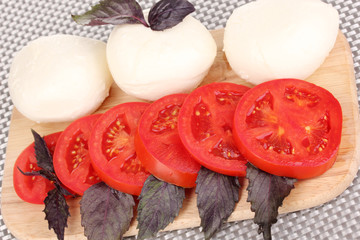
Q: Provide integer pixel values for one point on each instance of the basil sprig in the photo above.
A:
(163, 15)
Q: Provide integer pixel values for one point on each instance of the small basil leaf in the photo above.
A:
(56, 212)
(112, 12)
(266, 193)
(49, 176)
(159, 204)
(42, 153)
(216, 198)
(32, 173)
(105, 213)
(45, 174)
(168, 13)
(63, 190)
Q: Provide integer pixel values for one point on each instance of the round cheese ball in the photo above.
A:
(59, 78)
(151, 64)
(270, 39)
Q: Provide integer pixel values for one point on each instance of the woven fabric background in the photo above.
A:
(24, 20)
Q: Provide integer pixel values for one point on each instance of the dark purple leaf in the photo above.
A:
(160, 203)
(112, 12)
(168, 13)
(105, 213)
(56, 208)
(42, 153)
(44, 160)
(266, 193)
(217, 195)
(45, 174)
(56, 212)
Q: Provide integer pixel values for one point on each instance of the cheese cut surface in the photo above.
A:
(271, 39)
(151, 64)
(59, 78)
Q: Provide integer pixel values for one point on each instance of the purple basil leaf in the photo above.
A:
(56, 212)
(42, 153)
(105, 213)
(217, 195)
(159, 204)
(63, 190)
(49, 176)
(168, 13)
(266, 193)
(45, 174)
(45, 162)
(112, 12)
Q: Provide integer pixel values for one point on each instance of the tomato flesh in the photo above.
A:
(289, 127)
(159, 146)
(33, 189)
(205, 127)
(72, 162)
(112, 149)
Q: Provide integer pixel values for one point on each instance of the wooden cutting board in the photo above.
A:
(26, 221)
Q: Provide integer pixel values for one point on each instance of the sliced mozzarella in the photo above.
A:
(59, 78)
(269, 39)
(150, 64)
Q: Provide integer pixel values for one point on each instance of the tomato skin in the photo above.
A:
(158, 144)
(32, 189)
(112, 150)
(72, 162)
(205, 127)
(289, 127)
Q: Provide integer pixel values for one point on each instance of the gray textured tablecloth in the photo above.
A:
(25, 20)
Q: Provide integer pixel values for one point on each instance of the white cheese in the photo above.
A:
(59, 78)
(150, 64)
(270, 39)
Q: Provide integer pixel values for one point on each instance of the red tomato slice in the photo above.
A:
(32, 189)
(205, 127)
(112, 148)
(71, 157)
(159, 146)
(289, 128)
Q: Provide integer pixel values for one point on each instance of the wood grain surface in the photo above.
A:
(26, 221)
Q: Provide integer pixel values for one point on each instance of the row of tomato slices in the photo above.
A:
(286, 127)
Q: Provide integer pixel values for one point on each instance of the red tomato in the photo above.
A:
(205, 127)
(71, 157)
(289, 128)
(32, 189)
(159, 146)
(112, 148)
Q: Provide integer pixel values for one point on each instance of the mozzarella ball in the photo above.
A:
(151, 64)
(270, 39)
(59, 78)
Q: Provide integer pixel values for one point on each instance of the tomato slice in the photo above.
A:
(71, 157)
(33, 189)
(159, 146)
(289, 127)
(112, 148)
(205, 127)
